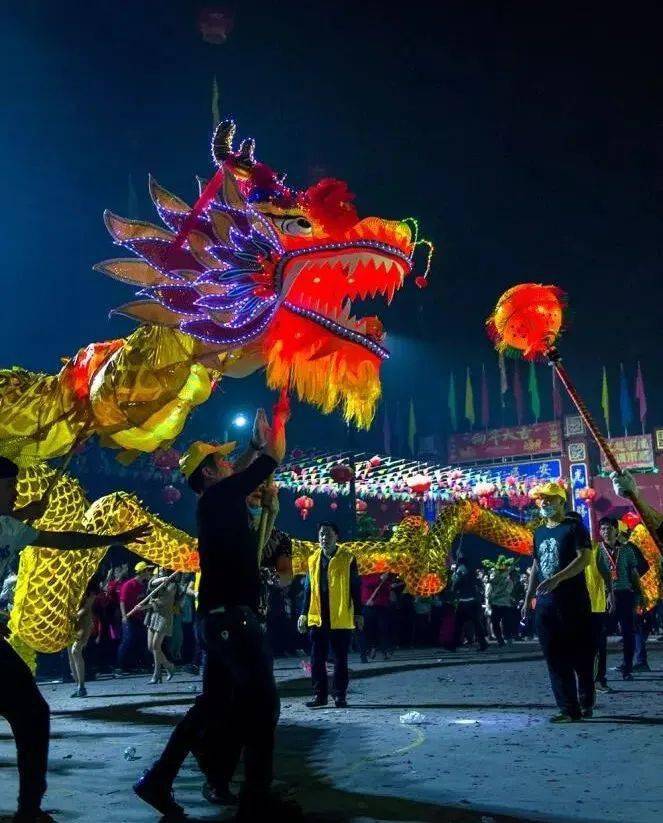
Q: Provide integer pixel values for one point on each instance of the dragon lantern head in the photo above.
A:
(270, 273)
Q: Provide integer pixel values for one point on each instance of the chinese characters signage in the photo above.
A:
(580, 480)
(518, 441)
(634, 452)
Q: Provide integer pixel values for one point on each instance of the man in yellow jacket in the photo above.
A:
(331, 610)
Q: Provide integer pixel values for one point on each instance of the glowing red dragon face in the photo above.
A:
(271, 274)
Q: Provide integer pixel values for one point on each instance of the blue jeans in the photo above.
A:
(133, 648)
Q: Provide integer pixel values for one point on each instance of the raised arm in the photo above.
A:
(625, 486)
(72, 541)
(256, 444)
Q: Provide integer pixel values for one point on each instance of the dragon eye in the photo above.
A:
(296, 226)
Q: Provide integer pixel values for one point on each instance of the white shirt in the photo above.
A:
(14, 536)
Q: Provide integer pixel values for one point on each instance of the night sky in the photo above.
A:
(527, 140)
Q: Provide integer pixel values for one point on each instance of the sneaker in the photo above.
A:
(159, 796)
(33, 817)
(340, 703)
(219, 796)
(602, 686)
(626, 676)
(587, 713)
(81, 691)
(564, 717)
(641, 667)
(316, 703)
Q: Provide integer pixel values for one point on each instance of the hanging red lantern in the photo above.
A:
(333, 505)
(362, 507)
(304, 505)
(375, 461)
(215, 24)
(419, 484)
(171, 495)
(631, 520)
(528, 319)
(341, 474)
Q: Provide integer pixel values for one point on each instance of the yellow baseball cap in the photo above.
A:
(548, 490)
(198, 451)
(142, 566)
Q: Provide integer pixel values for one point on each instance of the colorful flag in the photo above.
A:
(485, 402)
(386, 430)
(469, 401)
(504, 383)
(625, 404)
(605, 401)
(451, 402)
(518, 392)
(411, 428)
(641, 396)
(216, 117)
(556, 397)
(533, 388)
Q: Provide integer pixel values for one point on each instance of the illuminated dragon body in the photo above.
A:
(51, 583)
(255, 275)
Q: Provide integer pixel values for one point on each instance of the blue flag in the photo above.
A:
(625, 403)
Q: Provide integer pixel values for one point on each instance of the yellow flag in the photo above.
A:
(605, 401)
(469, 401)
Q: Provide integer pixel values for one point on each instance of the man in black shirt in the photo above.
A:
(562, 550)
(239, 706)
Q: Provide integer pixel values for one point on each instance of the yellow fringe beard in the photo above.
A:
(328, 383)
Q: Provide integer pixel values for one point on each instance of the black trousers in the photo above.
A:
(625, 614)
(26, 711)
(500, 619)
(600, 640)
(376, 629)
(469, 611)
(237, 710)
(565, 635)
(322, 637)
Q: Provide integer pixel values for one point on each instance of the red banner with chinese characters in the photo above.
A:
(516, 441)
(633, 452)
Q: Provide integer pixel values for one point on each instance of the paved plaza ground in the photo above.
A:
(485, 753)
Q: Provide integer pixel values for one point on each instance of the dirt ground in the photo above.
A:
(485, 752)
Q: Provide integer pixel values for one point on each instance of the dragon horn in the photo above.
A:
(222, 142)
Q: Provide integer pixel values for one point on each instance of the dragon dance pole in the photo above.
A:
(527, 320)
(556, 362)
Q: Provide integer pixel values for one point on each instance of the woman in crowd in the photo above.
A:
(84, 623)
(159, 621)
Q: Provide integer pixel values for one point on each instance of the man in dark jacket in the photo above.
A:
(464, 589)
